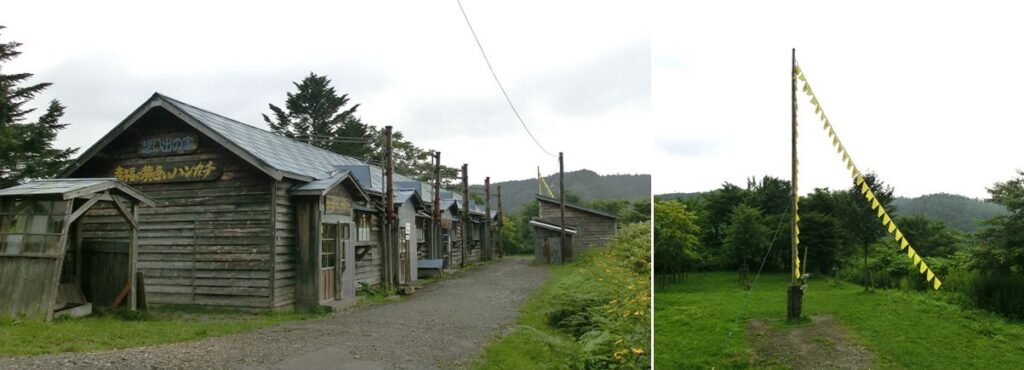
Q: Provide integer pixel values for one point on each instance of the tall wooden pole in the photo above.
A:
(501, 224)
(465, 212)
(488, 243)
(566, 250)
(436, 234)
(795, 293)
(389, 205)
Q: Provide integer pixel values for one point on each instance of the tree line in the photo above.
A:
(739, 228)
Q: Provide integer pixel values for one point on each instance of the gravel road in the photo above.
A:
(444, 325)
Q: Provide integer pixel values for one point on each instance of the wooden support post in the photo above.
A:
(436, 234)
(133, 254)
(501, 224)
(465, 212)
(566, 249)
(389, 211)
(488, 249)
(795, 291)
(140, 282)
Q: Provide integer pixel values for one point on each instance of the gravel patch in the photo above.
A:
(444, 325)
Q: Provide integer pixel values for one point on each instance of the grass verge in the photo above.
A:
(166, 324)
(699, 323)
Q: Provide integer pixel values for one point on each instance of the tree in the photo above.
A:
(746, 237)
(861, 222)
(718, 206)
(26, 147)
(317, 115)
(820, 230)
(931, 238)
(1002, 237)
(675, 238)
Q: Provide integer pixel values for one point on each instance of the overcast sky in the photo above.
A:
(578, 72)
(928, 96)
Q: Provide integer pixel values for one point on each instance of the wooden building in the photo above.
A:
(244, 217)
(591, 227)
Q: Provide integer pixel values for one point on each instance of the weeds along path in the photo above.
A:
(444, 325)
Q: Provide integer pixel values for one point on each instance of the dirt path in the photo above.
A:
(824, 344)
(444, 325)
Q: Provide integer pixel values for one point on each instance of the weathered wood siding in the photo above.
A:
(206, 242)
(36, 276)
(591, 230)
(368, 268)
(284, 244)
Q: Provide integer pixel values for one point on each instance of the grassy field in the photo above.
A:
(699, 323)
(123, 330)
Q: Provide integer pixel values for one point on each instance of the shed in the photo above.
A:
(594, 228)
(547, 241)
(45, 265)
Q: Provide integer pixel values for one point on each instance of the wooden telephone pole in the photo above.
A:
(391, 244)
(501, 224)
(488, 243)
(436, 248)
(795, 292)
(465, 212)
(566, 249)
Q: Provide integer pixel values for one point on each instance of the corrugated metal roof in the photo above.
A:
(576, 207)
(54, 186)
(71, 188)
(286, 154)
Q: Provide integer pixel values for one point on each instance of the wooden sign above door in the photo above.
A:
(171, 144)
(337, 205)
(162, 171)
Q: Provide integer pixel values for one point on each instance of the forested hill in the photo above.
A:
(957, 211)
(585, 183)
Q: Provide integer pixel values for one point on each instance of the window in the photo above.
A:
(363, 227)
(328, 245)
(31, 226)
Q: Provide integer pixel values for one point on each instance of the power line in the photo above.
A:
(495, 75)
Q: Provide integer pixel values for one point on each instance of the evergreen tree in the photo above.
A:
(26, 147)
(316, 114)
(861, 222)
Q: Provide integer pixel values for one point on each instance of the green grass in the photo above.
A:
(124, 330)
(699, 322)
(533, 343)
(590, 314)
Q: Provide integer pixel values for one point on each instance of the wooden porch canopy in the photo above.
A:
(35, 222)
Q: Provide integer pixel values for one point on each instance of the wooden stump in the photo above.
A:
(795, 293)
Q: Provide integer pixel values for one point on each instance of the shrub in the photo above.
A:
(605, 304)
(1001, 293)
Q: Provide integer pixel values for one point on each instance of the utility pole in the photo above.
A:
(795, 292)
(566, 249)
(501, 224)
(436, 233)
(488, 243)
(391, 250)
(465, 212)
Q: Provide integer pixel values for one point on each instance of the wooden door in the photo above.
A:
(329, 240)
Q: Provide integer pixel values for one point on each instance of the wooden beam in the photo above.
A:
(84, 208)
(127, 214)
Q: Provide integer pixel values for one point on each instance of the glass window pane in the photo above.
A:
(14, 224)
(10, 205)
(55, 224)
(38, 224)
(12, 244)
(34, 244)
(60, 207)
(42, 207)
(51, 244)
(327, 260)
